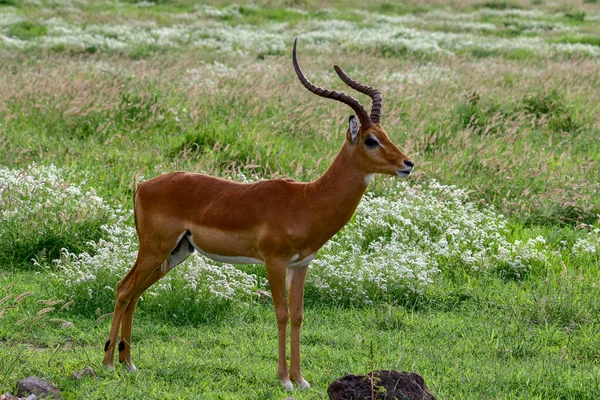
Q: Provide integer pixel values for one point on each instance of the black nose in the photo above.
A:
(409, 163)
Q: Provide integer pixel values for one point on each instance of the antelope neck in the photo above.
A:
(338, 191)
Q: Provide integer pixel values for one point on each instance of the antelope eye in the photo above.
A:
(370, 142)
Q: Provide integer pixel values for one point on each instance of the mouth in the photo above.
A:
(403, 173)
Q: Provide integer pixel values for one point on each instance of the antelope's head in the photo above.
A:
(372, 149)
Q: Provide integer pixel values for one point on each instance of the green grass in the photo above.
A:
(14, 3)
(505, 340)
(591, 40)
(26, 30)
(499, 5)
(515, 128)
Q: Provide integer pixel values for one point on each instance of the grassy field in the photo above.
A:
(480, 272)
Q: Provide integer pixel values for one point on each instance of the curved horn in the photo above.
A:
(368, 90)
(360, 111)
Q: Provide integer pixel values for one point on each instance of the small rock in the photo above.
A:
(7, 396)
(387, 385)
(38, 387)
(87, 371)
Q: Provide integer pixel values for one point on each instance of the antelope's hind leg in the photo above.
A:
(181, 251)
(127, 321)
(144, 266)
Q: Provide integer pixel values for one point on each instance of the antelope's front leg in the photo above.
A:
(276, 273)
(296, 290)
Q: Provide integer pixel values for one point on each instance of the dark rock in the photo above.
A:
(34, 385)
(386, 385)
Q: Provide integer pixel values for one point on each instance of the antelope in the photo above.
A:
(279, 223)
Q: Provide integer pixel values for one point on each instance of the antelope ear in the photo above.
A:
(352, 135)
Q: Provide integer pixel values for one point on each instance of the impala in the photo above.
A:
(279, 223)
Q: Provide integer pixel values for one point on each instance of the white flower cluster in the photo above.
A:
(113, 256)
(209, 74)
(38, 205)
(398, 243)
(588, 245)
(420, 75)
(212, 11)
(432, 32)
(42, 191)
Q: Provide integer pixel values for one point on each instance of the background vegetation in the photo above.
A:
(480, 272)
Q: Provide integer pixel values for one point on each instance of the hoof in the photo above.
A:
(287, 384)
(109, 367)
(129, 365)
(302, 384)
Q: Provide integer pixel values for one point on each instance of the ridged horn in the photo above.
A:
(360, 111)
(368, 90)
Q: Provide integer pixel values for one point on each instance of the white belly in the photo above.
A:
(229, 259)
(294, 262)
